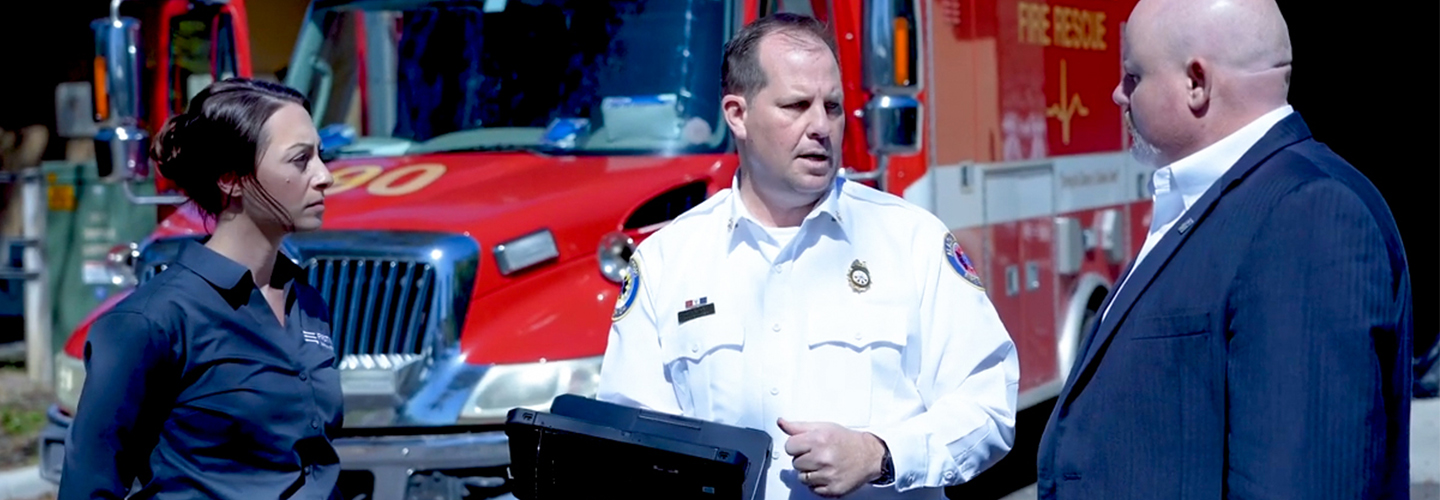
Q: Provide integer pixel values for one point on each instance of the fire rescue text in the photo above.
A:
(1061, 26)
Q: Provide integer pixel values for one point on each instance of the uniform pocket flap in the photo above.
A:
(695, 340)
(861, 327)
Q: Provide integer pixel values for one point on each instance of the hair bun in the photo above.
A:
(170, 157)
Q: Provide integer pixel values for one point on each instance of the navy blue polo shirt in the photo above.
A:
(196, 390)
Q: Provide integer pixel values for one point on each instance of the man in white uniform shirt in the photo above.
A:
(843, 321)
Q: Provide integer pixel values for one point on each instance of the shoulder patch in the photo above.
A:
(629, 289)
(961, 263)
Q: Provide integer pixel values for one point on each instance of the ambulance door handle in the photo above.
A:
(1012, 280)
(1070, 245)
(1110, 224)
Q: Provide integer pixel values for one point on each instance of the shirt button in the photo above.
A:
(694, 347)
(776, 327)
(774, 391)
(859, 336)
(315, 423)
(777, 269)
(304, 376)
(949, 476)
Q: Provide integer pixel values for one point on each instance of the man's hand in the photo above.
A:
(831, 459)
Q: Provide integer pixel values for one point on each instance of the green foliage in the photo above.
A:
(21, 422)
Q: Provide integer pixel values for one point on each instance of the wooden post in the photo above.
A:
(38, 351)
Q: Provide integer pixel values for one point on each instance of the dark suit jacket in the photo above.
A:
(1260, 350)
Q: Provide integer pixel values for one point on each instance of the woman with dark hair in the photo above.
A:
(216, 378)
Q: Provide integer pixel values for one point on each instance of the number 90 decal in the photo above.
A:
(395, 182)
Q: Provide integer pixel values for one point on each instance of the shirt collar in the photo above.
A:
(227, 274)
(1192, 175)
(827, 208)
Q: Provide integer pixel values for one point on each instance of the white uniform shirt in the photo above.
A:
(1179, 185)
(862, 318)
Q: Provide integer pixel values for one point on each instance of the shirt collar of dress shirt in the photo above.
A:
(828, 208)
(227, 274)
(1192, 175)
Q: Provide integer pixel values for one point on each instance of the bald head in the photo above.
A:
(1198, 70)
(1245, 41)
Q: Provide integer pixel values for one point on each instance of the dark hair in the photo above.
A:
(219, 136)
(741, 73)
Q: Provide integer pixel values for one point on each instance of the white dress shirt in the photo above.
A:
(1178, 185)
(907, 349)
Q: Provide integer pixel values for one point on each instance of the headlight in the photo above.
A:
(614, 255)
(117, 269)
(156, 255)
(531, 385)
(69, 380)
(525, 251)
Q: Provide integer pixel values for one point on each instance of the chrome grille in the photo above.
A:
(377, 306)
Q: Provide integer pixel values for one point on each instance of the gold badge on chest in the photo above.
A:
(859, 276)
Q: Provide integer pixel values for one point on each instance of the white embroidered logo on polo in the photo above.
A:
(318, 338)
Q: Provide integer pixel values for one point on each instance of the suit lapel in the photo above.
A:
(1288, 131)
(1087, 336)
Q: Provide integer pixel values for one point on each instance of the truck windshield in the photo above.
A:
(571, 76)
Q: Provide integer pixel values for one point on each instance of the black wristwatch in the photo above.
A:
(887, 466)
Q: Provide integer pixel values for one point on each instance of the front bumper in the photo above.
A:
(470, 465)
(52, 444)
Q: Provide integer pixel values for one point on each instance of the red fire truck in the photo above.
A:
(496, 161)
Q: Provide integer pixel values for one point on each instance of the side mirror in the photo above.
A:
(888, 45)
(117, 69)
(121, 145)
(126, 149)
(123, 149)
(893, 122)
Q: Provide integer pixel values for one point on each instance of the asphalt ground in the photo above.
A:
(1011, 479)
